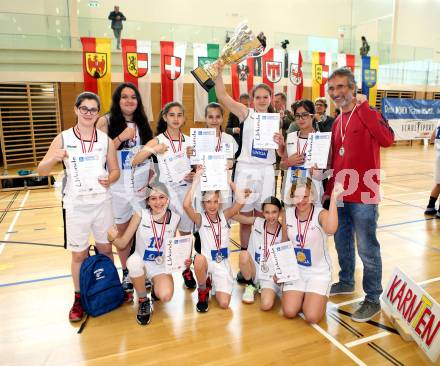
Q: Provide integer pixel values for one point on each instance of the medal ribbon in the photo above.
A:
(346, 126)
(302, 237)
(219, 143)
(218, 239)
(166, 133)
(302, 152)
(158, 241)
(266, 247)
(83, 145)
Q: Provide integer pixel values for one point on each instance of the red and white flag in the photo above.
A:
(172, 67)
(273, 69)
(136, 61)
(346, 60)
(242, 78)
(295, 80)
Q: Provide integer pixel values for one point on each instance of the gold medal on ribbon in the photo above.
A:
(301, 257)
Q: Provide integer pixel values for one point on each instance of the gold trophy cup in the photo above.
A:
(243, 44)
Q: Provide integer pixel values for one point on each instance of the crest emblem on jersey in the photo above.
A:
(295, 74)
(274, 71)
(243, 72)
(172, 66)
(370, 77)
(137, 64)
(321, 74)
(96, 64)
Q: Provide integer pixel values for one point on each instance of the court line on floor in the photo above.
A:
(366, 339)
(425, 246)
(29, 209)
(373, 345)
(336, 343)
(10, 203)
(405, 222)
(11, 226)
(404, 203)
(32, 243)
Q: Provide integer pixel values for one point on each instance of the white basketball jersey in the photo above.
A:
(209, 248)
(256, 241)
(248, 153)
(145, 242)
(295, 143)
(72, 144)
(162, 139)
(314, 257)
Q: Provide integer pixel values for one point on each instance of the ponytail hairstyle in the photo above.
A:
(161, 123)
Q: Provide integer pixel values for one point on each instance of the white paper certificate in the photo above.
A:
(202, 140)
(215, 174)
(265, 126)
(177, 166)
(177, 250)
(284, 261)
(318, 146)
(84, 172)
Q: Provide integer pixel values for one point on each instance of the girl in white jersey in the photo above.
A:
(255, 167)
(85, 151)
(255, 262)
(127, 125)
(153, 226)
(213, 258)
(169, 141)
(307, 226)
(430, 209)
(293, 151)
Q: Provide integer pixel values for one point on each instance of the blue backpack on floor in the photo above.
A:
(101, 289)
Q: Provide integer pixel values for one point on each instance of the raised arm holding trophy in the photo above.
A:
(243, 44)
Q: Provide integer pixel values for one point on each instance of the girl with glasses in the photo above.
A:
(293, 151)
(85, 153)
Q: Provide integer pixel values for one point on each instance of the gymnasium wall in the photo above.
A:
(417, 20)
(69, 91)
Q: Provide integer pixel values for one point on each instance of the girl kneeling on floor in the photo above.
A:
(308, 226)
(153, 226)
(214, 236)
(254, 262)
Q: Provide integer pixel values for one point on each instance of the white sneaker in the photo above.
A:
(249, 294)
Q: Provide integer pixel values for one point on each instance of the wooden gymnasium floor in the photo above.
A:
(36, 294)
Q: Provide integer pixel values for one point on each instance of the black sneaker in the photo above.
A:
(202, 304)
(145, 311)
(340, 288)
(127, 286)
(240, 279)
(188, 278)
(430, 211)
(365, 312)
